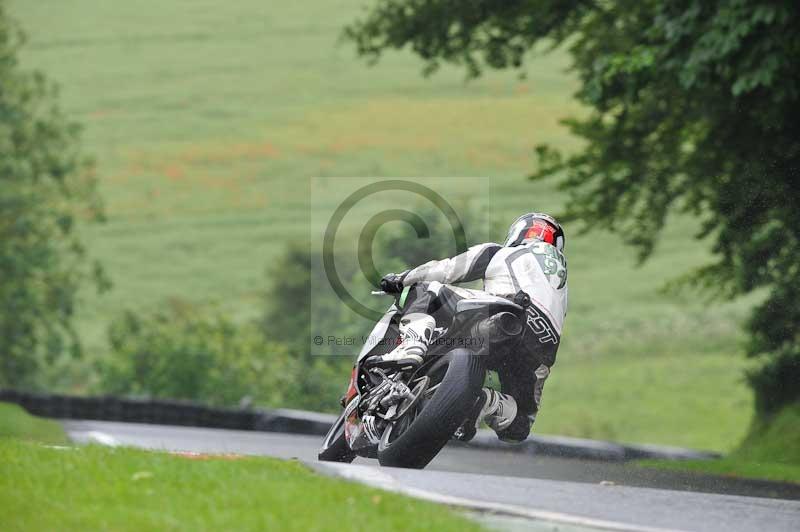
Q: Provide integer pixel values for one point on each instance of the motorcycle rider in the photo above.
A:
(529, 267)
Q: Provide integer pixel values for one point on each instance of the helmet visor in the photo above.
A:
(541, 230)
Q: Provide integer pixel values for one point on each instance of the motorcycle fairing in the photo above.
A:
(378, 333)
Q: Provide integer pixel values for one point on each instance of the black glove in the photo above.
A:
(392, 283)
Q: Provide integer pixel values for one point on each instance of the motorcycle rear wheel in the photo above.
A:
(421, 439)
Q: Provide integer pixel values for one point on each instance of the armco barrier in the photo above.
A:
(166, 412)
(156, 411)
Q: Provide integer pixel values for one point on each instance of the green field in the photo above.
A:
(771, 451)
(208, 119)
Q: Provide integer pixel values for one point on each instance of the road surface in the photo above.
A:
(610, 492)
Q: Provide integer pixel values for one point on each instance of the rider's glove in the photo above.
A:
(392, 283)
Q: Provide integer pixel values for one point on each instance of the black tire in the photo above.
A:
(447, 409)
(334, 446)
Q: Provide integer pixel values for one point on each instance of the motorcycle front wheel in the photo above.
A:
(334, 446)
(417, 437)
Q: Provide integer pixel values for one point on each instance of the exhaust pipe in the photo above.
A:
(498, 327)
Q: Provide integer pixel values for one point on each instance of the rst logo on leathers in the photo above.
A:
(540, 326)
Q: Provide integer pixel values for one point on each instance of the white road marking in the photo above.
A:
(380, 479)
(95, 436)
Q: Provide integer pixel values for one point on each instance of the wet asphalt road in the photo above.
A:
(600, 490)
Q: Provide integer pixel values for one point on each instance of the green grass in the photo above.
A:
(654, 395)
(771, 452)
(98, 488)
(208, 119)
(15, 422)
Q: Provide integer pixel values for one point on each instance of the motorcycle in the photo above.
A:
(404, 415)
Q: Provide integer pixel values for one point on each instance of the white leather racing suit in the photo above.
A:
(536, 268)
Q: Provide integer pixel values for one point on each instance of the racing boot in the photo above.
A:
(497, 409)
(415, 335)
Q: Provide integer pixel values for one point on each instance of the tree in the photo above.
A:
(288, 318)
(693, 108)
(182, 352)
(46, 187)
(292, 315)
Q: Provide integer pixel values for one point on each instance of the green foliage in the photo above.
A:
(775, 439)
(46, 189)
(187, 352)
(322, 382)
(776, 380)
(694, 108)
(287, 317)
(287, 312)
(182, 353)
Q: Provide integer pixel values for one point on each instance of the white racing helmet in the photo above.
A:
(536, 226)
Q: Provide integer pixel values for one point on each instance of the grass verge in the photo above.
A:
(15, 422)
(99, 488)
(771, 451)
